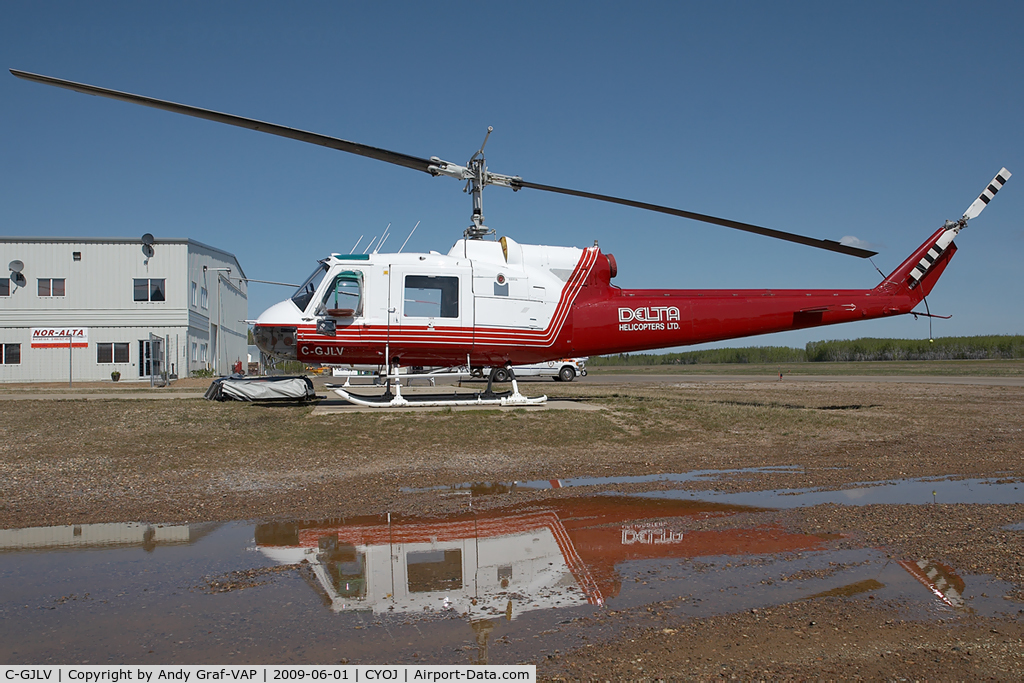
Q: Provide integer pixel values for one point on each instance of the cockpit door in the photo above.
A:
(344, 298)
(340, 305)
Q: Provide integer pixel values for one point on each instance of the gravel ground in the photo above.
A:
(64, 461)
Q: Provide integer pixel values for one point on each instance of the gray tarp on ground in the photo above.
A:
(239, 388)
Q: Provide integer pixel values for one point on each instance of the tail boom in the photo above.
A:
(637, 320)
(613, 320)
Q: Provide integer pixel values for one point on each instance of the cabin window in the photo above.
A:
(432, 571)
(304, 294)
(427, 296)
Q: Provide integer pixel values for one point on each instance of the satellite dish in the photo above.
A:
(148, 239)
(17, 277)
(147, 249)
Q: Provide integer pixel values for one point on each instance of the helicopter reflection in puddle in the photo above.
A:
(548, 554)
(499, 572)
(940, 579)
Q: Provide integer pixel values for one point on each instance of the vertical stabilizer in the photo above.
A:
(919, 273)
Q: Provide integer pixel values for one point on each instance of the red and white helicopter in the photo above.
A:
(498, 303)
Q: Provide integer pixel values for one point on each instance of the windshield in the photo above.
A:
(304, 294)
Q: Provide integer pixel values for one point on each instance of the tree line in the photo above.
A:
(992, 347)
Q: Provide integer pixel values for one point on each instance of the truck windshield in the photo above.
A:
(304, 294)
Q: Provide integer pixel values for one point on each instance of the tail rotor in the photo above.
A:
(985, 197)
(954, 227)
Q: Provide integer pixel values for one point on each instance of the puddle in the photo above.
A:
(542, 555)
(500, 586)
(895, 491)
(94, 536)
(901, 491)
(492, 488)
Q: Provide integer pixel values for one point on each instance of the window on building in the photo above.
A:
(205, 298)
(121, 352)
(149, 289)
(112, 352)
(11, 354)
(195, 352)
(51, 286)
(5, 286)
(427, 296)
(195, 295)
(202, 353)
(76, 255)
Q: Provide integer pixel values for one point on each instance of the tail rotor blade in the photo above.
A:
(982, 201)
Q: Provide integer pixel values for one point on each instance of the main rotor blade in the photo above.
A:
(829, 245)
(412, 162)
(417, 163)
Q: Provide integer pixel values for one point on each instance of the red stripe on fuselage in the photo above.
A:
(420, 344)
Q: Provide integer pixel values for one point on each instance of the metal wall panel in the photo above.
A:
(99, 296)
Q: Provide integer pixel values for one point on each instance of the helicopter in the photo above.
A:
(498, 303)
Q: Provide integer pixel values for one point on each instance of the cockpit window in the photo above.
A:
(304, 294)
(344, 298)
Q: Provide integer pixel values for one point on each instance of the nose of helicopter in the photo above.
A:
(275, 331)
(276, 341)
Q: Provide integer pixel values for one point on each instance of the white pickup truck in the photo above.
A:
(563, 370)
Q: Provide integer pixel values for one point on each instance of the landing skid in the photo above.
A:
(396, 400)
(505, 398)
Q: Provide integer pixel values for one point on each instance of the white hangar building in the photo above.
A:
(171, 306)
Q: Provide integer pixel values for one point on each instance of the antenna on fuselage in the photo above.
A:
(383, 239)
(410, 235)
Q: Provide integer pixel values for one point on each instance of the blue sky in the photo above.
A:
(876, 120)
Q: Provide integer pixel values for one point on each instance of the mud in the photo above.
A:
(76, 462)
